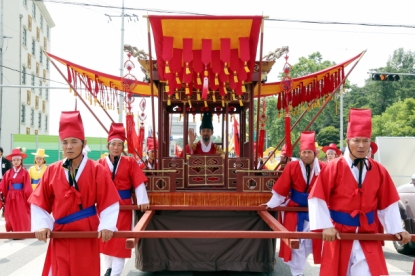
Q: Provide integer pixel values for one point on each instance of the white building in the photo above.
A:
(25, 27)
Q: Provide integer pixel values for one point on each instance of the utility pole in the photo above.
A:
(341, 116)
(1, 66)
(121, 96)
(131, 17)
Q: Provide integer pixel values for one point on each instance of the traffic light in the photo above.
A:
(385, 77)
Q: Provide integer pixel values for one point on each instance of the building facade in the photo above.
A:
(26, 31)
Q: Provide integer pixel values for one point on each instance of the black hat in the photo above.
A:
(206, 121)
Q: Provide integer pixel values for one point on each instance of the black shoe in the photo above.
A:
(108, 273)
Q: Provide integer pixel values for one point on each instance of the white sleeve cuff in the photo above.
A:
(390, 218)
(276, 200)
(109, 217)
(141, 194)
(319, 214)
(40, 218)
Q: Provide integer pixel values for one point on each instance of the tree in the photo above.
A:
(397, 120)
(328, 135)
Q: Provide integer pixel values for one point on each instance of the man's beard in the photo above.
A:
(206, 138)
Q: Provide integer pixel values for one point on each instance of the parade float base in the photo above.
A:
(207, 254)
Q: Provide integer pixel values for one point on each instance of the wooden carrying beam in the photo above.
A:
(140, 226)
(278, 227)
(214, 208)
(203, 234)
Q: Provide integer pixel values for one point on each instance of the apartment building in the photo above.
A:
(26, 30)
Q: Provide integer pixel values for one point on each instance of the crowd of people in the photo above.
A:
(348, 193)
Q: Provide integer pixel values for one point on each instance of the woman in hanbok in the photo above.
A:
(36, 172)
(16, 189)
(331, 151)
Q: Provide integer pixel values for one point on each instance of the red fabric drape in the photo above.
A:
(132, 139)
(236, 141)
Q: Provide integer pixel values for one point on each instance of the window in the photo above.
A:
(23, 114)
(32, 117)
(37, 69)
(24, 38)
(47, 31)
(41, 22)
(47, 64)
(40, 88)
(28, 130)
(43, 106)
(45, 43)
(29, 61)
(33, 46)
(47, 94)
(46, 122)
(37, 102)
(29, 22)
(33, 80)
(23, 75)
(28, 97)
(37, 34)
(25, 2)
(39, 121)
(40, 55)
(44, 75)
(34, 9)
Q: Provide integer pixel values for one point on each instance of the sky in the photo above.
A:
(91, 37)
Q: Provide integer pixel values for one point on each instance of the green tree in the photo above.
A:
(328, 135)
(397, 120)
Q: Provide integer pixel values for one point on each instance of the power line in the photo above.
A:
(267, 19)
(27, 74)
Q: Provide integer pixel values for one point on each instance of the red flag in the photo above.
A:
(236, 140)
(132, 138)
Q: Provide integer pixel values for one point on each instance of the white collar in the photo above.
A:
(206, 148)
(16, 171)
(80, 168)
(315, 169)
(354, 170)
(110, 165)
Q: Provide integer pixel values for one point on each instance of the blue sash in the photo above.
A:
(302, 200)
(84, 213)
(17, 186)
(35, 181)
(124, 194)
(346, 218)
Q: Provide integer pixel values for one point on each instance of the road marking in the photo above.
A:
(10, 247)
(34, 267)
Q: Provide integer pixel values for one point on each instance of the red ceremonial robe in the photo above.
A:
(128, 176)
(339, 189)
(53, 194)
(17, 210)
(292, 178)
(197, 149)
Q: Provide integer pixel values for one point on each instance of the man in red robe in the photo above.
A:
(75, 190)
(351, 195)
(151, 160)
(205, 145)
(298, 178)
(126, 176)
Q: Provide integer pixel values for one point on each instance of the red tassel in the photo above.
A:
(205, 88)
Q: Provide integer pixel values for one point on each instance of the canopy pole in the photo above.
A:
(76, 92)
(259, 95)
(153, 119)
